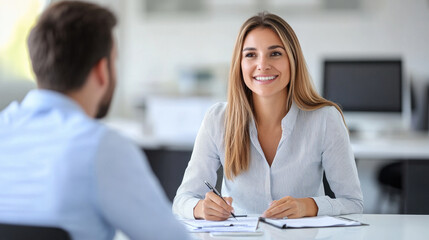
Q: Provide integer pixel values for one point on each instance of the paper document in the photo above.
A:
(311, 222)
(245, 224)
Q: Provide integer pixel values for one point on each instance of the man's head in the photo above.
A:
(68, 41)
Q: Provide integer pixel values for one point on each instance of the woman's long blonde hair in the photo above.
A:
(240, 105)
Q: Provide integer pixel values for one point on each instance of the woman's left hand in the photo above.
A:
(291, 208)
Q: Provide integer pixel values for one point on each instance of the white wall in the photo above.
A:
(154, 49)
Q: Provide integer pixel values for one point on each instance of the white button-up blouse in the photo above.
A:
(312, 142)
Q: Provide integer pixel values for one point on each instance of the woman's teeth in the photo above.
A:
(265, 78)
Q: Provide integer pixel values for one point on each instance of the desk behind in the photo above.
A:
(401, 145)
(404, 145)
(408, 146)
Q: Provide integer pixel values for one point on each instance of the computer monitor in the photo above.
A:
(368, 91)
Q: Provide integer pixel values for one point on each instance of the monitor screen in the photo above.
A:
(364, 85)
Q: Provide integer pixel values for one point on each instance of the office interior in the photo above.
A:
(174, 58)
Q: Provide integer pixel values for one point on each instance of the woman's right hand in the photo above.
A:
(213, 208)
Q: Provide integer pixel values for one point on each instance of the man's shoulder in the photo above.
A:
(7, 113)
(112, 140)
(94, 133)
(109, 134)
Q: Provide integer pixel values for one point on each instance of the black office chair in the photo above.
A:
(390, 177)
(328, 191)
(25, 232)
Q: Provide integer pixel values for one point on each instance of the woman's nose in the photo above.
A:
(263, 64)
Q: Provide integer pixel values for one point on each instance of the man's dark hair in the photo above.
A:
(69, 38)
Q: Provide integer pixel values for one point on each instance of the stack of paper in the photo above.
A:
(245, 224)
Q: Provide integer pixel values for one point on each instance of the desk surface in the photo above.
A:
(381, 226)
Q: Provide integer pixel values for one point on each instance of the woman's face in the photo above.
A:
(264, 63)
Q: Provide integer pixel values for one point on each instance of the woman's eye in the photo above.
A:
(276, 54)
(249, 55)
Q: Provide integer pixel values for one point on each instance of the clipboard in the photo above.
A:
(312, 222)
(236, 234)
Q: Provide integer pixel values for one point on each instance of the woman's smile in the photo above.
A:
(265, 79)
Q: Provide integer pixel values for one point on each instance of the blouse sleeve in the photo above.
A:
(340, 167)
(202, 167)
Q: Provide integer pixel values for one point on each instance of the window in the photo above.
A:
(16, 20)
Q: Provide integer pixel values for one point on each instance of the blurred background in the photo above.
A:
(174, 58)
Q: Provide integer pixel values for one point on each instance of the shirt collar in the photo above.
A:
(45, 99)
(288, 121)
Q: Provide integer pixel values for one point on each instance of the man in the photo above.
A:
(58, 166)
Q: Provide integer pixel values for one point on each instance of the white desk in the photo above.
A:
(400, 227)
(413, 149)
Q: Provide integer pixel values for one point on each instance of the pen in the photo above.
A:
(224, 225)
(217, 193)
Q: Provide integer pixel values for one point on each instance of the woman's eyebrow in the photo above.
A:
(249, 49)
(269, 48)
(275, 46)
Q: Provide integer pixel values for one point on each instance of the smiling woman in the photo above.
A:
(265, 64)
(266, 72)
(275, 137)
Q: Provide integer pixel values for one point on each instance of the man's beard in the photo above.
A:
(104, 106)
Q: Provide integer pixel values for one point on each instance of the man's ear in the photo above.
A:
(101, 71)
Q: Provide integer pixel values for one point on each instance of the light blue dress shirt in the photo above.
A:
(311, 142)
(59, 167)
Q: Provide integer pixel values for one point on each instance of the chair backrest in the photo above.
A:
(21, 232)
(328, 190)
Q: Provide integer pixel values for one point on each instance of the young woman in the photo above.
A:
(274, 138)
